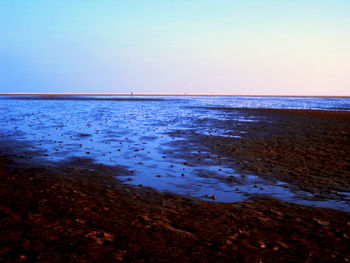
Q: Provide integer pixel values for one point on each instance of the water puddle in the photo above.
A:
(140, 136)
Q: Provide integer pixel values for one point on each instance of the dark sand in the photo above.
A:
(307, 148)
(76, 212)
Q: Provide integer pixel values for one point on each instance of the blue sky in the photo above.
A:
(215, 47)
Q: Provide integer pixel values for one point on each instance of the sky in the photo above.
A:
(238, 47)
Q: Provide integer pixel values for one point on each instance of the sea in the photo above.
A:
(136, 133)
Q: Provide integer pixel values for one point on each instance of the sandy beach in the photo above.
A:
(75, 211)
(307, 148)
(175, 131)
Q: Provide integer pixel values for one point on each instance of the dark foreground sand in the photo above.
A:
(77, 213)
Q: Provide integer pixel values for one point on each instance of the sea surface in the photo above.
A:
(136, 133)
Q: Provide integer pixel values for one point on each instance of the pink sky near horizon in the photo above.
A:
(241, 48)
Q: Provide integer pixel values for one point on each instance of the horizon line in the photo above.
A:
(163, 94)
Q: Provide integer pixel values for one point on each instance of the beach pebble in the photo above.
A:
(321, 222)
(22, 258)
(262, 245)
(283, 244)
(234, 237)
(211, 197)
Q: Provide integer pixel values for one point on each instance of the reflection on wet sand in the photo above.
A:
(180, 146)
(74, 177)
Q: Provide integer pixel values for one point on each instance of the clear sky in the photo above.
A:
(284, 47)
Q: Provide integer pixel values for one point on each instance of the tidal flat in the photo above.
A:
(175, 179)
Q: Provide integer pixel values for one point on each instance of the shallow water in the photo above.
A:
(137, 134)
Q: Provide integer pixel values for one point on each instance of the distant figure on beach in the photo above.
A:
(131, 93)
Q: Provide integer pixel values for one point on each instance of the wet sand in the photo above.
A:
(76, 211)
(306, 148)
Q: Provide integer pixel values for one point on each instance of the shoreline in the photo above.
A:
(168, 94)
(80, 211)
(80, 214)
(305, 148)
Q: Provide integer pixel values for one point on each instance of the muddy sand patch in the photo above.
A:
(78, 214)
